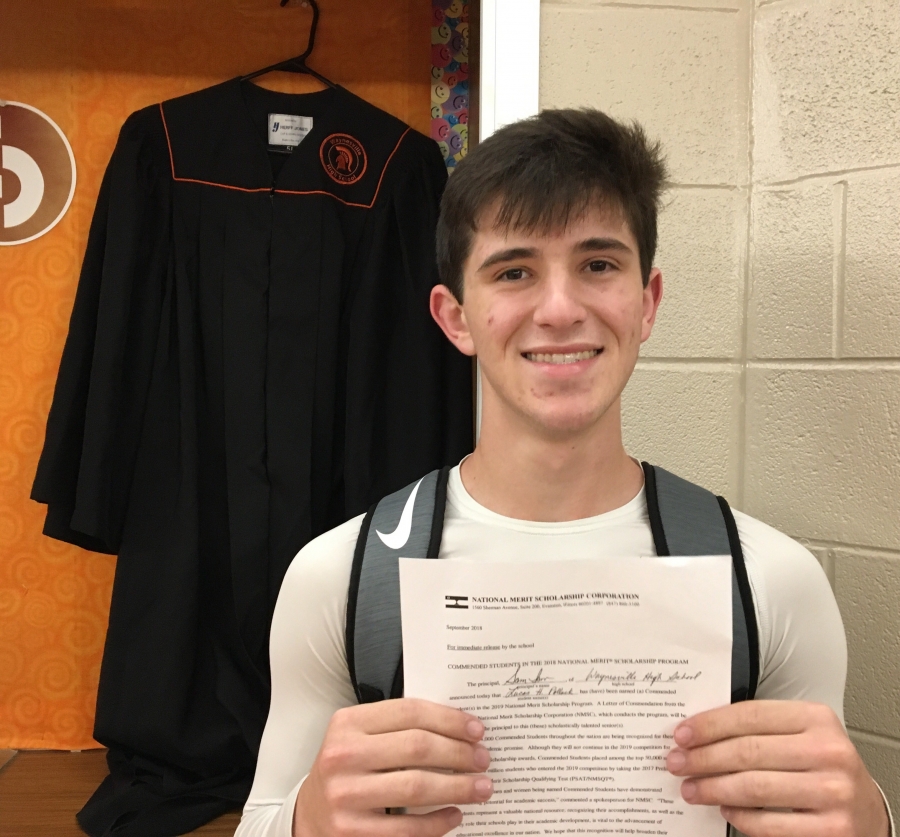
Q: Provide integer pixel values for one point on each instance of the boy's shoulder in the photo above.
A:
(787, 578)
(324, 563)
(765, 543)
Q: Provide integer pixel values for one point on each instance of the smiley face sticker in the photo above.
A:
(440, 34)
(440, 93)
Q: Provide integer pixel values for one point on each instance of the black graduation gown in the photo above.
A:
(250, 362)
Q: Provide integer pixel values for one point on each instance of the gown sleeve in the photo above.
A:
(94, 425)
(409, 390)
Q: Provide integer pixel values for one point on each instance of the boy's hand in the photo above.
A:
(390, 755)
(775, 754)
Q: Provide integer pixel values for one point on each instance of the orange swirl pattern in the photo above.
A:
(88, 65)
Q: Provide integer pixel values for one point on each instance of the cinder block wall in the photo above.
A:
(774, 373)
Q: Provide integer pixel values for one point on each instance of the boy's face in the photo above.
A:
(555, 319)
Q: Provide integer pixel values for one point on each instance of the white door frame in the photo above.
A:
(509, 62)
(508, 80)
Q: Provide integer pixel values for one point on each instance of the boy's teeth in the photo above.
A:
(569, 357)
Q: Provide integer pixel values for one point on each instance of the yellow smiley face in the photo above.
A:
(440, 34)
(440, 93)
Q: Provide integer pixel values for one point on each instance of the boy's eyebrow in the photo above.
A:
(509, 255)
(602, 244)
(588, 245)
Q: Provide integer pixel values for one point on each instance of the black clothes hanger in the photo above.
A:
(298, 64)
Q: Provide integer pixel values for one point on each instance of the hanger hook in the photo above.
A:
(312, 29)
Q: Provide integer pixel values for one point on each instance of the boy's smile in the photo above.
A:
(556, 320)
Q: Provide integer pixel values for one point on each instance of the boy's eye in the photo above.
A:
(599, 266)
(513, 274)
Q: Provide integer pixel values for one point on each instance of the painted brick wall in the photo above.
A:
(774, 373)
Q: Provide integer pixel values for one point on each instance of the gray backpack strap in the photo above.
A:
(689, 520)
(405, 524)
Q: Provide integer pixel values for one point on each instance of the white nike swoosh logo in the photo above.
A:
(400, 535)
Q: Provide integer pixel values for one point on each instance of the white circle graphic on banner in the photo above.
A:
(37, 173)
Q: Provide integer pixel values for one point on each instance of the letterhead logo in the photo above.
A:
(343, 158)
(37, 173)
(457, 602)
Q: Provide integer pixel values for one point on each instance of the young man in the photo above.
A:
(545, 246)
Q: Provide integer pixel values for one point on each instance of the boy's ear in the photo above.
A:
(652, 297)
(449, 315)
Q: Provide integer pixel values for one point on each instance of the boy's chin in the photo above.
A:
(566, 421)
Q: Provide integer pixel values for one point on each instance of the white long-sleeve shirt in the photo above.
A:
(801, 637)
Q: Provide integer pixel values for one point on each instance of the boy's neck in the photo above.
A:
(524, 476)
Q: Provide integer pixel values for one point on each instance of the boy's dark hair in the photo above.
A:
(544, 171)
